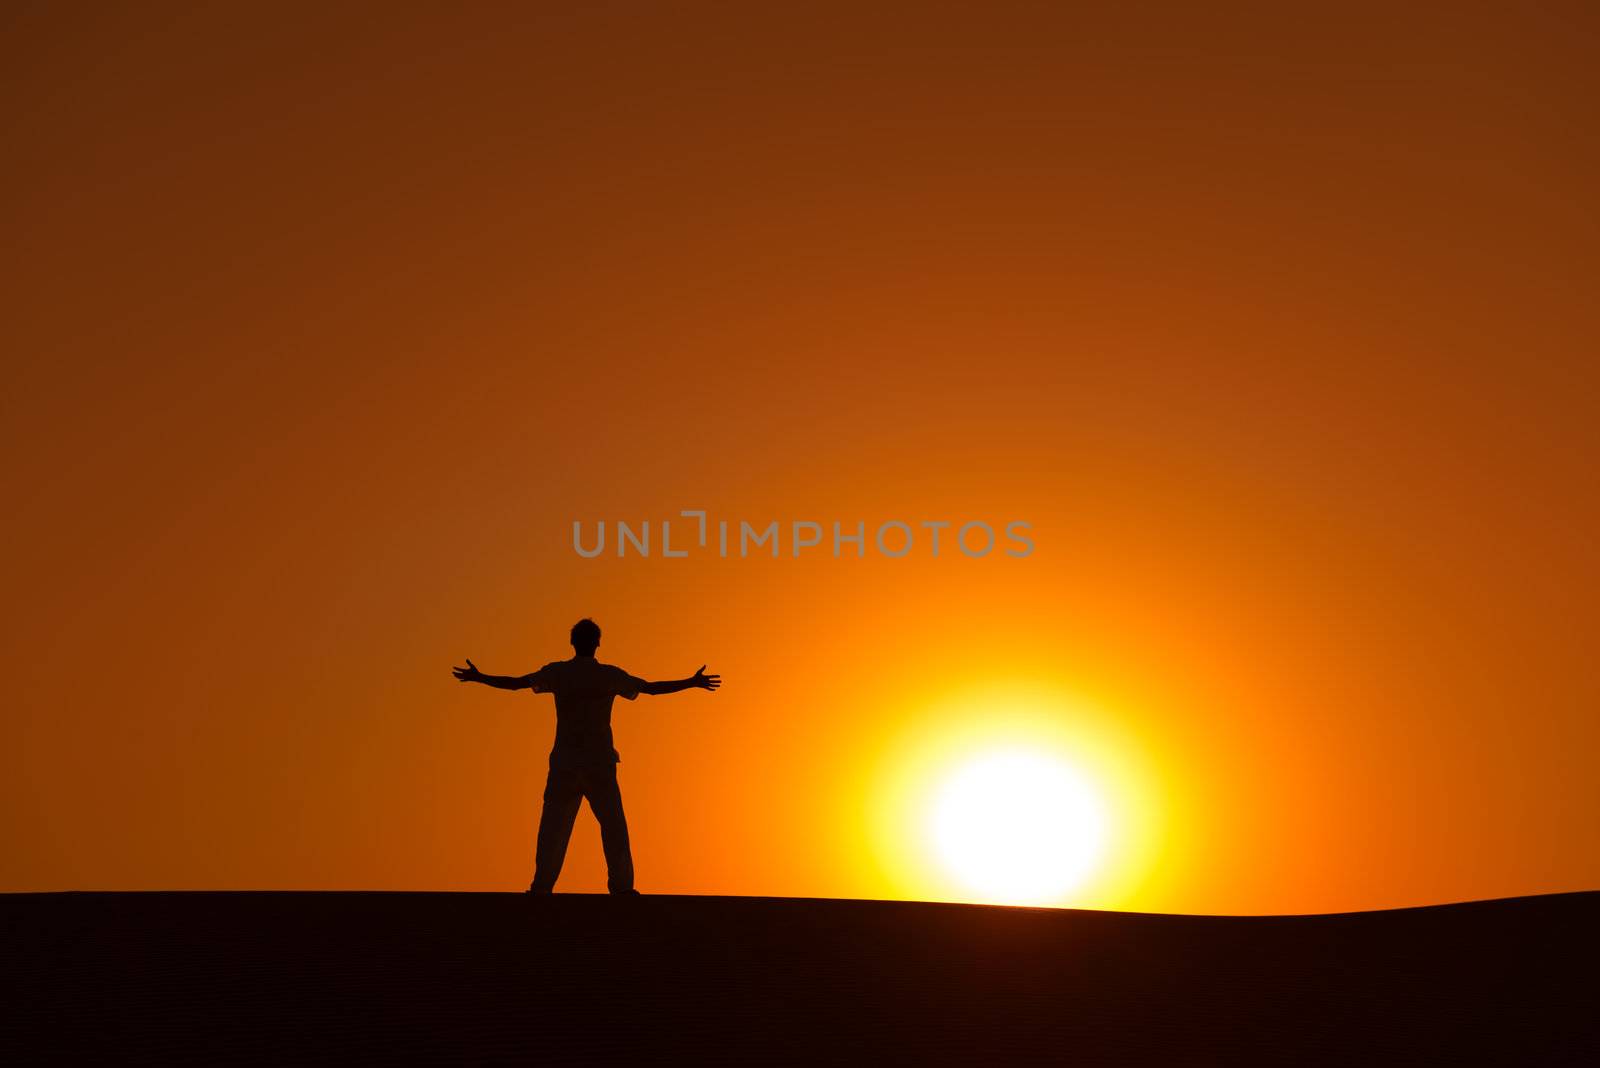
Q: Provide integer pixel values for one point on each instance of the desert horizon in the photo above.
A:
(496, 976)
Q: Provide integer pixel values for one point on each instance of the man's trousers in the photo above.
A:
(564, 791)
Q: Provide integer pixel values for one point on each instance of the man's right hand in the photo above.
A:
(470, 673)
(700, 679)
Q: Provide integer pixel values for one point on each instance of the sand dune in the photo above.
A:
(335, 976)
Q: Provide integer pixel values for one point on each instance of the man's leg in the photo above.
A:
(563, 793)
(605, 800)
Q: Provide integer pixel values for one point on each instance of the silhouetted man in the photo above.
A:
(583, 762)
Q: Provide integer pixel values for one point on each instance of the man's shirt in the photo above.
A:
(584, 689)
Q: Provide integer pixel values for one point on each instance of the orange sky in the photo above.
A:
(322, 328)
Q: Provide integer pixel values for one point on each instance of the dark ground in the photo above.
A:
(291, 977)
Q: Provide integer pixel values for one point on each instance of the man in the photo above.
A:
(583, 762)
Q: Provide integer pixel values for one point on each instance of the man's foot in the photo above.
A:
(630, 892)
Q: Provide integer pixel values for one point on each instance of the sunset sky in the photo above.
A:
(1279, 327)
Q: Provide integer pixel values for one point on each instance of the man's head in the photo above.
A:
(585, 637)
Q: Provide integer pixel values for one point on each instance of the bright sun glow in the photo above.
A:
(1017, 826)
(1013, 792)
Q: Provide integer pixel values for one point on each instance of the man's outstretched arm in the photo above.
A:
(698, 680)
(470, 673)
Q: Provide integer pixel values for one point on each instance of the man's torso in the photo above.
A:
(584, 689)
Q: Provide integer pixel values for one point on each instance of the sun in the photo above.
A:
(1017, 826)
(1014, 792)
